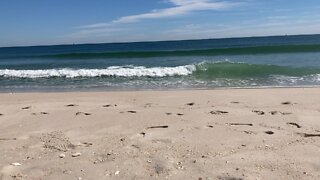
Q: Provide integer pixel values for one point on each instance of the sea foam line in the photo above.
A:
(117, 71)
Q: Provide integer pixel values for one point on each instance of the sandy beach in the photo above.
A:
(192, 134)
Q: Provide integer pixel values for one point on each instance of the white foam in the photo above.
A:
(117, 71)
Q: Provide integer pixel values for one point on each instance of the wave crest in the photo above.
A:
(204, 70)
(116, 71)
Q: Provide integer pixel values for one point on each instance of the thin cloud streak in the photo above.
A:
(97, 25)
(181, 7)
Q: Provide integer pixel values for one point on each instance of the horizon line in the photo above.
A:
(154, 41)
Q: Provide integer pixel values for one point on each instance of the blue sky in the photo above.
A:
(40, 22)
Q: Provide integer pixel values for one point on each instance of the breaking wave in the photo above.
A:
(116, 71)
(205, 70)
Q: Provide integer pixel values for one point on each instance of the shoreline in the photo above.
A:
(196, 134)
(160, 90)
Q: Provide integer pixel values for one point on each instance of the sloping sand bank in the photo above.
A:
(198, 134)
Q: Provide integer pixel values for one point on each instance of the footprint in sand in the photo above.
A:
(218, 112)
(86, 114)
(147, 105)
(156, 127)
(288, 103)
(8, 139)
(258, 112)
(234, 102)
(71, 105)
(240, 124)
(24, 108)
(190, 104)
(249, 132)
(43, 113)
(274, 112)
(7, 172)
(56, 140)
(269, 132)
(110, 105)
(160, 167)
(309, 135)
(227, 177)
(131, 111)
(294, 124)
(87, 144)
(279, 112)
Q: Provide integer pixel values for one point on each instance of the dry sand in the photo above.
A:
(198, 134)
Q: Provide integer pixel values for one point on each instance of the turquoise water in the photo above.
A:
(282, 61)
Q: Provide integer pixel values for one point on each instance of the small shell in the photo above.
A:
(16, 164)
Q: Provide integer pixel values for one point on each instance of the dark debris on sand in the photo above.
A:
(43, 113)
(143, 134)
(309, 135)
(24, 108)
(8, 139)
(269, 132)
(287, 103)
(279, 112)
(86, 114)
(218, 112)
(155, 127)
(235, 102)
(110, 105)
(190, 104)
(294, 124)
(240, 124)
(258, 112)
(131, 111)
(71, 105)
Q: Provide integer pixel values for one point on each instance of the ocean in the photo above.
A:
(252, 62)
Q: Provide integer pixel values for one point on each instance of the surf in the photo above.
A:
(113, 71)
(210, 70)
(203, 70)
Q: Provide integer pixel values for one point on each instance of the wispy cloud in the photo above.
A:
(180, 7)
(97, 25)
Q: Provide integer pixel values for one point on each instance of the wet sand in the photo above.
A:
(196, 134)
